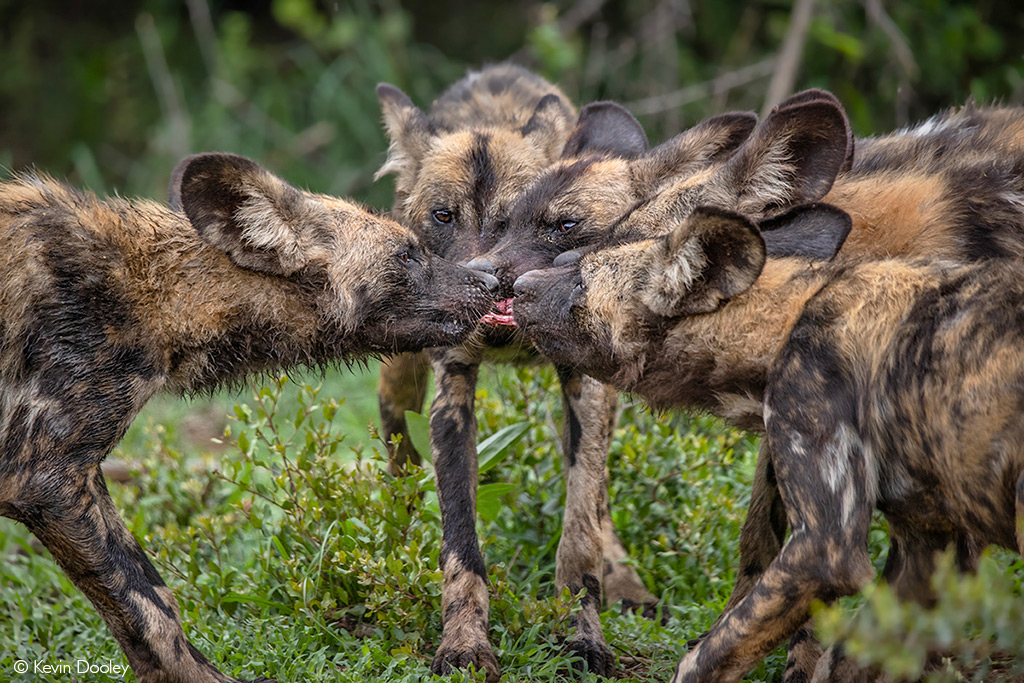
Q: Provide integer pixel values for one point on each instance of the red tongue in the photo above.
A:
(502, 317)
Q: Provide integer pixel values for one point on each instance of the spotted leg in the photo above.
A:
(402, 386)
(464, 600)
(825, 478)
(587, 405)
(908, 569)
(71, 513)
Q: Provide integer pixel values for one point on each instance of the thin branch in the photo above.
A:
(698, 91)
(163, 83)
(206, 36)
(569, 22)
(904, 56)
(784, 77)
(578, 14)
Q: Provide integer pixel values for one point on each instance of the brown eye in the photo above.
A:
(404, 257)
(566, 225)
(443, 216)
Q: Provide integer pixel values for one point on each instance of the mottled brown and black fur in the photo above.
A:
(459, 167)
(951, 187)
(892, 383)
(106, 302)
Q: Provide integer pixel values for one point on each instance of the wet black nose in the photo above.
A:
(524, 284)
(489, 281)
(566, 257)
(484, 265)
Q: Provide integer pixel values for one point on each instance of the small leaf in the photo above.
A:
(419, 433)
(493, 447)
(488, 500)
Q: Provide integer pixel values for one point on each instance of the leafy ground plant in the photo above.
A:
(295, 554)
(974, 632)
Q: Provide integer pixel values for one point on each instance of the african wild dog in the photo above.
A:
(952, 186)
(105, 302)
(458, 169)
(888, 383)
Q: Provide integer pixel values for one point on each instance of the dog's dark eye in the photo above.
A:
(443, 216)
(565, 225)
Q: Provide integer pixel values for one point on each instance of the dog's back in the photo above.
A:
(952, 187)
(502, 95)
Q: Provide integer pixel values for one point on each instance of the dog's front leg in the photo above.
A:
(825, 477)
(464, 600)
(586, 431)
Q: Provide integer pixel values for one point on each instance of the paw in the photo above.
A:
(596, 656)
(647, 609)
(481, 656)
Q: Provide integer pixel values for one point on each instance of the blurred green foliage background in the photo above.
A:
(111, 95)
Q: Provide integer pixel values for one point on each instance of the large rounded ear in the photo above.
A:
(261, 222)
(410, 132)
(792, 158)
(174, 187)
(606, 128)
(814, 231)
(812, 94)
(549, 124)
(707, 260)
(707, 143)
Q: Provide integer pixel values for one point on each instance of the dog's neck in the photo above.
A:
(719, 362)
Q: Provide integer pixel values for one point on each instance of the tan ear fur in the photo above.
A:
(261, 222)
(707, 143)
(792, 158)
(707, 260)
(410, 133)
(549, 125)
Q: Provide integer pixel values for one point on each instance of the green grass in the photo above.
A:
(294, 554)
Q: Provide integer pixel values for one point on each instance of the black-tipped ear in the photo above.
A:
(606, 128)
(815, 231)
(409, 130)
(709, 142)
(792, 158)
(174, 186)
(391, 96)
(261, 222)
(549, 124)
(711, 257)
(812, 94)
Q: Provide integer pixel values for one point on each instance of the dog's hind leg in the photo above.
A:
(402, 387)
(51, 447)
(69, 509)
(1020, 514)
